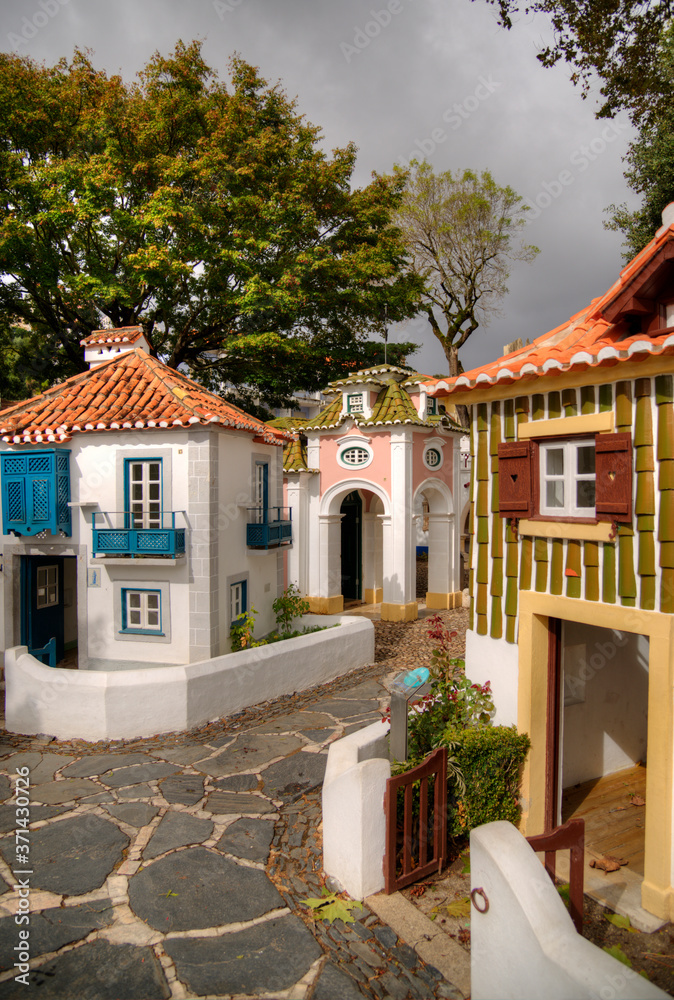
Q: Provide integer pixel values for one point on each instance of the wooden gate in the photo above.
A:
(572, 836)
(424, 835)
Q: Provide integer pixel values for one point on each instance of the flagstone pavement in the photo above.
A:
(180, 866)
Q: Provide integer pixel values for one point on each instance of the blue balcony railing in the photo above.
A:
(268, 528)
(115, 537)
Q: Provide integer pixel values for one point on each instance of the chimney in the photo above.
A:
(103, 345)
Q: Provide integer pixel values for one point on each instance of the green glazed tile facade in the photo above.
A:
(636, 567)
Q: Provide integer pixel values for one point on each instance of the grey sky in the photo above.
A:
(435, 77)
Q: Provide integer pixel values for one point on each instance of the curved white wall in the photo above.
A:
(102, 705)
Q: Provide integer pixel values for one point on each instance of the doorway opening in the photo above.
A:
(597, 737)
(49, 608)
(351, 529)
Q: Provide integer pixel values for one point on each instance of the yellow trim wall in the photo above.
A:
(657, 894)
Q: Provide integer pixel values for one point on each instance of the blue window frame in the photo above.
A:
(238, 600)
(355, 402)
(143, 492)
(141, 611)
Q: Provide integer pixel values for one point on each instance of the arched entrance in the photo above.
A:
(352, 546)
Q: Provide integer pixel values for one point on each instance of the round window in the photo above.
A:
(433, 458)
(355, 456)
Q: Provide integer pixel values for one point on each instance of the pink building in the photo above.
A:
(377, 467)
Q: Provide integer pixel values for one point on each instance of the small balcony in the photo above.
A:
(268, 528)
(122, 533)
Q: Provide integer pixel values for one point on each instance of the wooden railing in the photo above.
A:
(424, 837)
(572, 836)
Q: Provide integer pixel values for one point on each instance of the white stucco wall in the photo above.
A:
(495, 660)
(354, 822)
(606, 701)
(101, 705)
(525, 946)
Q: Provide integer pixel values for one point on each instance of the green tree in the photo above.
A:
(650, 174)
(462, 233)
(208, 214)
(618, 41)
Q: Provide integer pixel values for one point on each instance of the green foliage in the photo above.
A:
(620, 42)
(618, 920)
(490, 759)
(462, 233)
(333, 907)
(287, 607)
(651, 175)
(207, 213)
(241, 632)
(616, 952)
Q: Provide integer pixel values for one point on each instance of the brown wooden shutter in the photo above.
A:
(514, 479)
(613, 453)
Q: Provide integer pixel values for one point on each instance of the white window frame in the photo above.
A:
(358, 407)
(361, 452)
(569, 477)
(353, 441)
(144, 609)
(238, 599)
(47, 584)
(429, 465)
(145, 512)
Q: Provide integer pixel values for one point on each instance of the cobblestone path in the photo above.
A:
(179, 866)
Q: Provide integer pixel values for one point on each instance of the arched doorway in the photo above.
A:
(352, 543)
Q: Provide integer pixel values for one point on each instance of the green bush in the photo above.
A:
(489, 759)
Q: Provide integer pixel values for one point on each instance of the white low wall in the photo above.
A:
(525, 945)
(102, 705)
(354, 824)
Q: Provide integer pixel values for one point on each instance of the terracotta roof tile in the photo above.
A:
(133, 390)
(120, 335)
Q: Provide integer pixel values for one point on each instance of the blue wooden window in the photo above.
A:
(355, 402)
(36, 492)
(141, 611)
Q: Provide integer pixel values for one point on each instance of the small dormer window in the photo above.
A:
(355, 402)
(431, 407)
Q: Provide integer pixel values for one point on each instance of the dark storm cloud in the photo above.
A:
(433, 78)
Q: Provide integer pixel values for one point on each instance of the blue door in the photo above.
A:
(42, 607)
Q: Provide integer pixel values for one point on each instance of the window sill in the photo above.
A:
(141, 631)
(103, 560)
(589, 531)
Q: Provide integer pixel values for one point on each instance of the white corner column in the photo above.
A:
(327, 598)
(442, 593)
(399, 542)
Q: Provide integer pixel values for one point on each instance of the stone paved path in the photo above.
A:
(179, 866)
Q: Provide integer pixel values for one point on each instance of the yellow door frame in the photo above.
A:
(657, 894)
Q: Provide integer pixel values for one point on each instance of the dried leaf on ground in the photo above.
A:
(605, 864)
(637, 800)
(457, 908)
(618, 920)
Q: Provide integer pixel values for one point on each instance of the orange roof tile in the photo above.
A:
(120, 335)
(590, 339)
(132, 391)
